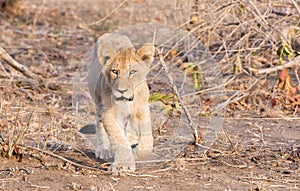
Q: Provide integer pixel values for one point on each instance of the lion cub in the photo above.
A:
(117, 84)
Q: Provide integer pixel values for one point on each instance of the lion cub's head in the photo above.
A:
(126, 70)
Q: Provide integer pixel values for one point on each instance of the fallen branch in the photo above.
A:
(17, 66)
(142, 175)
(66, 160)
(294, 62)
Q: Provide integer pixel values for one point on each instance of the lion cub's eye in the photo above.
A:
(132, 72)
(115, 72)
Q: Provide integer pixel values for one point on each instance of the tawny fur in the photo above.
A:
(117, 84)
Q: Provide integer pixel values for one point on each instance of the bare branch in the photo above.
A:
(184, 108)
(17, 66)
(296, 6)
(108, 15)
(64, 159)
(294, 62)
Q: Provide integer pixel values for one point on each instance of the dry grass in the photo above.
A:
(246, 35)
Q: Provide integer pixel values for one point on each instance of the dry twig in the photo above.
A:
(66, 160)
(184, 108)
(108, 15)
(244, 165)
(17, 66)
(142, 175)
(294, 62)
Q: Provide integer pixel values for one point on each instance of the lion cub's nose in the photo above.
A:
(122, 91)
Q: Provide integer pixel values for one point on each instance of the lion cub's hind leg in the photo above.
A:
(103, 148)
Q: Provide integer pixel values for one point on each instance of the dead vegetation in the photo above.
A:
(256, 46)
(253, 40)
(10, 6)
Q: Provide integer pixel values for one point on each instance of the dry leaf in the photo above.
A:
(285, 83)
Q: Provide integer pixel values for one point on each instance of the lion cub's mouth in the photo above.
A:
(122, 98)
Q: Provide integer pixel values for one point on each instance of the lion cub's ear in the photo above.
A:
(105, 53)
(146, 52)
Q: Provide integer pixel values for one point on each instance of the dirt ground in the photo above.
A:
(51, 38)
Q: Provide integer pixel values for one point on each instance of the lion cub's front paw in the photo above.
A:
(123, 162)
(102, 153)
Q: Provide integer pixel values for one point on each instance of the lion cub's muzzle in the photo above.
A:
(123, 95)
(122, 98)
